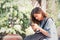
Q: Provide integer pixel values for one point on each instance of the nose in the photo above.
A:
(36, 17)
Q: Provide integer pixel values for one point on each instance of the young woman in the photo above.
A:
(38, 18)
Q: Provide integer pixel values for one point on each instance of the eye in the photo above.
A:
(35, 15)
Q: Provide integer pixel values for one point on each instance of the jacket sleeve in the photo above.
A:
(51, 28)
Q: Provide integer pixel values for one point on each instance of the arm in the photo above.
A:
(51, 28)
(35, 27)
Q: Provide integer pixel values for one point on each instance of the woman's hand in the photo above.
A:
(34, 26)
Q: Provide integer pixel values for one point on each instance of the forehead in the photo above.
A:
(36, 14)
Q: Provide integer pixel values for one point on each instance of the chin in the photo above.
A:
(39, 20)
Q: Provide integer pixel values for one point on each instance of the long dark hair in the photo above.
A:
(34, 11)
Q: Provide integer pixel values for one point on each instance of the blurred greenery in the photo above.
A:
(14, 16)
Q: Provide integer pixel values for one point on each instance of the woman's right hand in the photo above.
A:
(34, 26)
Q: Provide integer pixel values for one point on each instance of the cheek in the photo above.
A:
(40, 16)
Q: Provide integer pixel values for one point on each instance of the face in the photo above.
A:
(38, 16)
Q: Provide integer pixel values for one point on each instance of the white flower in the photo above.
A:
(17, 27)
(2, 29)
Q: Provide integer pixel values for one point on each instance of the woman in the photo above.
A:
(38, 18)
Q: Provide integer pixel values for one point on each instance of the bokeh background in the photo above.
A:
(15, 15)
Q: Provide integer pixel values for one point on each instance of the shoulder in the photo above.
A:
(50, 19)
